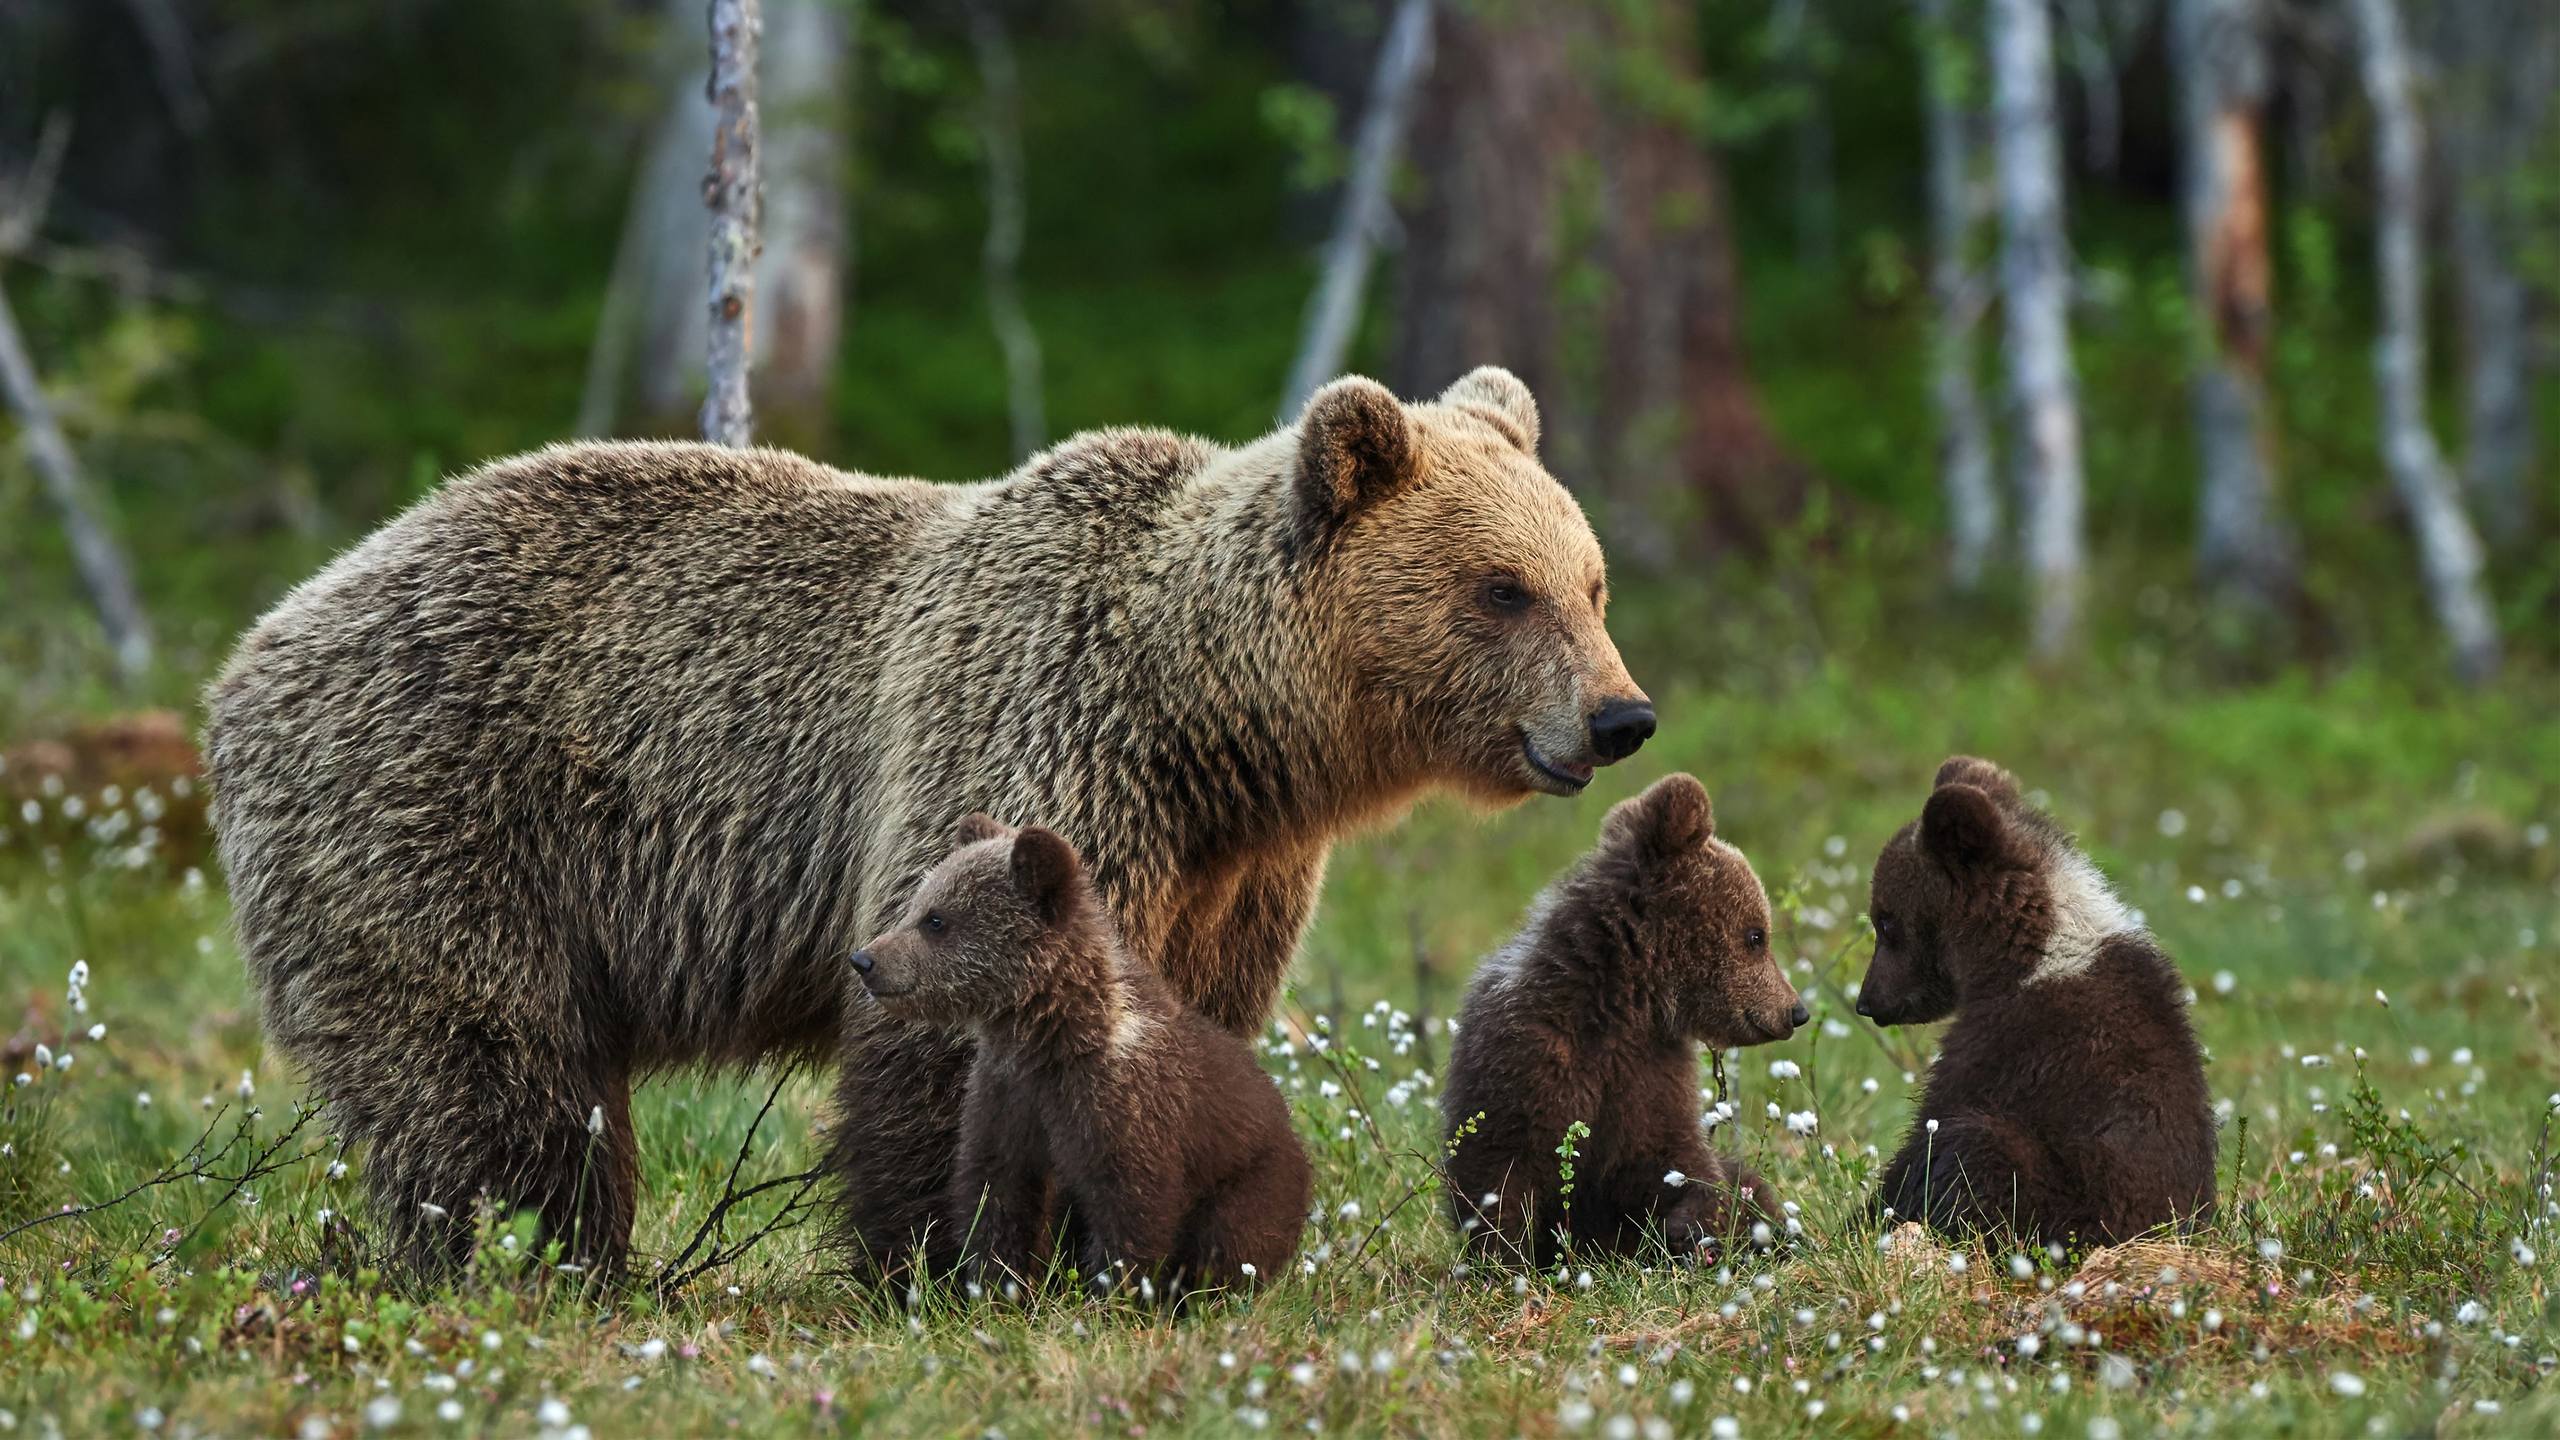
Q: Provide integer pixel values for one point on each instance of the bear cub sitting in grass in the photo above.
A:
(2067, 1102)
(1095, 1091)
(1653, 944)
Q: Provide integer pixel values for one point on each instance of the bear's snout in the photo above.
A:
(1799, 1017)
(1619, 728)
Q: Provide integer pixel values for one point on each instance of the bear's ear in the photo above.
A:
(1498, 396)
(1672, 817)
(1355, 447)
(1981, 774)
(1962, 825)
(1046, 872)
(978, 825)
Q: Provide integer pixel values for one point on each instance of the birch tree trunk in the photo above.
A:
(2243, 549)
(807, 113)
(2502, 64)
(2448, 549)
(735, 192)
(94, 550)
(1333, 313)
(2035, 283)
(1964, 432)
(1000, 127)
(654, 320)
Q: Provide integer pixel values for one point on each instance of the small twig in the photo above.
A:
(265, 1165)
(707, 1240)
(167, 1175)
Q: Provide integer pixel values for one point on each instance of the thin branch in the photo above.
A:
(708, 1241)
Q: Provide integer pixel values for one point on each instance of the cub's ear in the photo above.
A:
(1355, 447)
(1498, 397)
(1672, 817)
(1981, 774)
(978, 825)
(1046, 872)
(1961, 825)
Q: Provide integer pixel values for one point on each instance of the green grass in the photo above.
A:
(2351, 837)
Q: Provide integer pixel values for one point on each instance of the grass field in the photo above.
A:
(2357, 875)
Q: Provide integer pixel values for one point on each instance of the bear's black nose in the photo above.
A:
(1801, 1016)
(1619, 727)
(862, 961)
(1862, 1008)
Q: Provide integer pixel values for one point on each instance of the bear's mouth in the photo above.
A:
(1563, 777)
(882, 991)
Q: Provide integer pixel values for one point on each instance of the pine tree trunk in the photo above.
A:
(2448, 549)
(735, 192)
(1576, 232)
(2243, 549)
(2035, 283)
(1964, 439)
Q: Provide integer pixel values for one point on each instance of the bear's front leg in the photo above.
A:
(1975, 1172)
(898, 1104)
(1003, 1195)
(1130, 1209)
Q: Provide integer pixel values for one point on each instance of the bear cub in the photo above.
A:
(1656, 942)
(2068, 1099)
(1095, 1094)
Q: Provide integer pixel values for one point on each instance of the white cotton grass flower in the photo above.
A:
(1675, 1179)
(1802, 1122)
(595, 1121)
(248, 1085)
(2522, 1253)
(1784, 1070)
(2346, 1383)
(435, 1211)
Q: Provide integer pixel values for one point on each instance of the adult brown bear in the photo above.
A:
(603, 758)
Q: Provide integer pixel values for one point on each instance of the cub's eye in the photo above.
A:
(1755, 938)
(933, 922)
(1888, 929)
(1505, 595)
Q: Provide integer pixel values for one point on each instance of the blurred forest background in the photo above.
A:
(2206, 334)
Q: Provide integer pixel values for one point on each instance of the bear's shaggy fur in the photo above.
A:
(1655, 943)
(1095, 1091)
(2068, 1099)
(601, 759)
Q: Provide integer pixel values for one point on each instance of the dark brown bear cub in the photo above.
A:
(1094, 1090)
(2068, 1100)
(1653, 944)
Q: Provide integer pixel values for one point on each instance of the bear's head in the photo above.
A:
(1982, 893)
(1696, 917)
(985, 928)
(1463, 589)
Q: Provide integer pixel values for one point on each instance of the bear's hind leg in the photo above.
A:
(1244, 1234)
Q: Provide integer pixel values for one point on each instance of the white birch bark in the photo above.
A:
(1000, 129)
(735, 192)
(2243, 548)
(1796, 36)
(1964, 431)
(2448, 549)
(2035, 282)
(1333, 312)
(94, 550)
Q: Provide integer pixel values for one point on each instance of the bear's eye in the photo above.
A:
(1887, 928)
(1755, 938)
(933, 922)
(1506, 595)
